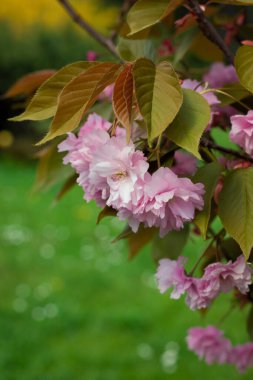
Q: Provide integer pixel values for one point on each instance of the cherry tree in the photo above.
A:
(156, 161)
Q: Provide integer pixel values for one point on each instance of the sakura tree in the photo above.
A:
(181, 74)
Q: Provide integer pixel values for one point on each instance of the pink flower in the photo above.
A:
(171, 201)
(167, 202)
(242, 356)
(219, 75)
(218, 278)
(171, 273)
(209, 343)
(237, 274)
(81, 150)
(242, 131)
(118, 171)
(184, 164)
(107, 93)
(193, 84)
(91, 55)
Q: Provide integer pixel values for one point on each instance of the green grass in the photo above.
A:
(73, 307)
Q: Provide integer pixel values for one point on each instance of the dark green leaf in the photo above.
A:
(171, 246)
(208, 175)
(236, 207)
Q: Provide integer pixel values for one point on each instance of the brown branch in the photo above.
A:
(209, 30)
(211, 145)
(79, 20)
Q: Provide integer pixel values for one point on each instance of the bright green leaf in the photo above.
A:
(236, 207)
(171, 246)
(159, 94)
(208, 175)
(146, 13)
(190, 122)
(79, 95)
(44, 103)
(244, 66)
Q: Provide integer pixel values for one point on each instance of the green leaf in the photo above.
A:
(159, 94)
(44, 103)
(130, 50)
(232, 93)
(171, 246)
(190, 122)
(244, 66)
(230, 248)
(123, 98)
(146, 13)
(236, 207)
(79, 95)
(208, 175)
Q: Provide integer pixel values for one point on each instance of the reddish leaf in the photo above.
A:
(69, 183)
(123, 98)
(29, 83)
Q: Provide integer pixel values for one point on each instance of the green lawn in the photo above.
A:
(73, 307)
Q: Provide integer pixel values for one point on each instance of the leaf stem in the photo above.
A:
(211, 145)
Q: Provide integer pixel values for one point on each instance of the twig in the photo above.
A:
(209, 30)
(79, 20)
(210, 144)
(127, 4)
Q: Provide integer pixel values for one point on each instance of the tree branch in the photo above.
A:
(210, 144)
(209, 30)
(78, 19)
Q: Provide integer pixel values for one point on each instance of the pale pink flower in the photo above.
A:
(167, 202)
(81, 150)
(209, 344)
(171, 273)
(218, 278)
(242, 356)
(193, 84)
(118, 171)
(237, 274)
(107, 93)
(185, 164)
(242, 131)
(171, 200)
(219, 75)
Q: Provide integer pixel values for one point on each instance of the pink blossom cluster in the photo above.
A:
(219, 75)
(217, 278)
(209, 343)
(242, 131)
(114, 173)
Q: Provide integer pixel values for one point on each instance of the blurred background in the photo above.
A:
(72, 305)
